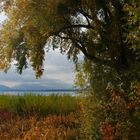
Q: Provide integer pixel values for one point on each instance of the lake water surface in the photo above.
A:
(59, 92)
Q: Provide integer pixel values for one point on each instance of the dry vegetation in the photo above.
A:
(15, 125)
(51, 127)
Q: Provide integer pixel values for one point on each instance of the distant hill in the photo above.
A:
(4, 88)
(37, 87)
(29, 87)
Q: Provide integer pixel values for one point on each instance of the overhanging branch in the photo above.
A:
(72, 27)
(78, 44)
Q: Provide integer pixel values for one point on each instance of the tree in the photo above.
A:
(101, 29)
(111, 107)
(107, 32)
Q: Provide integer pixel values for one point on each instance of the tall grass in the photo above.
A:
(51, 127)
(40, 105)
(39, 117)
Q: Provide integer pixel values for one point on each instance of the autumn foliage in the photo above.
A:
(32, 117)
(51, 127)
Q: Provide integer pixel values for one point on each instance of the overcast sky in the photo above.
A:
(59, 72)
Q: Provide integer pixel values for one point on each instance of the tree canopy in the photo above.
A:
(105, 31)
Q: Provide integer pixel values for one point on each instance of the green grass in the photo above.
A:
(40, 105)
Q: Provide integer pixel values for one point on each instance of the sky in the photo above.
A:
(58, 72)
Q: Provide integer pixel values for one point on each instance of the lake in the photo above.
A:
(41, 92)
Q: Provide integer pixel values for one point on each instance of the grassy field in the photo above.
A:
(39, 117)
(39, 105)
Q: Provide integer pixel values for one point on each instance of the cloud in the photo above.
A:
(58, 72)
(3, 17)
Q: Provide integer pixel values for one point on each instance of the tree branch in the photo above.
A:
(85, 14)
(63, 37)
(78, 44)
(72, 27)
(94, 58)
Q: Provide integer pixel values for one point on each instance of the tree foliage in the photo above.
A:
(107, 32)
(101, 29)
(112, 104)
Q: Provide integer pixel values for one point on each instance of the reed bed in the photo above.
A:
(39, 117)
(39, 105)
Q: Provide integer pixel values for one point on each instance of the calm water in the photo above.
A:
(73, 93)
